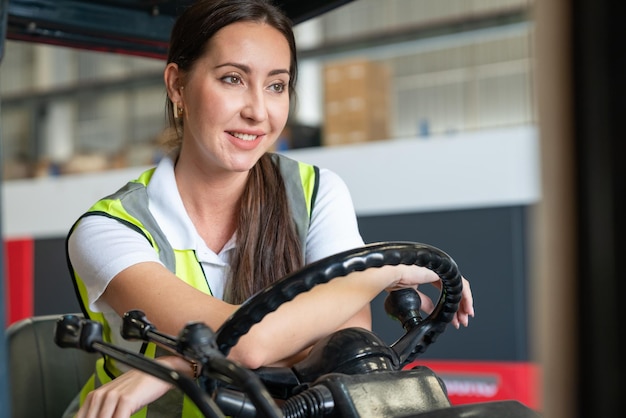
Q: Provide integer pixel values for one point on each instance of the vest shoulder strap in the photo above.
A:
(301, 184)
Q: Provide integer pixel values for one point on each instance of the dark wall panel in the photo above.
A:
(489, 247)
(54, 292)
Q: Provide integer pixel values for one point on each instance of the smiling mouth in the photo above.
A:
(244, 137)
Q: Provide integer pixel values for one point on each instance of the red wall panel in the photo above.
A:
(19, 276)
(484, 381)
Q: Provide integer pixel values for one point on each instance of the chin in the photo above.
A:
(241, 165)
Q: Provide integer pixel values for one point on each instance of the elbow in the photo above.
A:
(251, 354)
(250, 361)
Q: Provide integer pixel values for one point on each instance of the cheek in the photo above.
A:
(279, 112)
(212, 108)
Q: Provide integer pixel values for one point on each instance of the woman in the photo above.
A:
(220, 218)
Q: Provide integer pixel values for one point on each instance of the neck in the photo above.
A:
(208, 188)
(211, 201)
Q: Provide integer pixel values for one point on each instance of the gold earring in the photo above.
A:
(178, 111)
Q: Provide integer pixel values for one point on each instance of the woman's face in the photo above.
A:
(236, 98)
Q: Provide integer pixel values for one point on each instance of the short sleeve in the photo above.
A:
(334, 226)
(99, 248)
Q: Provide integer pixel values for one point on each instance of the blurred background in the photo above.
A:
(370, 70)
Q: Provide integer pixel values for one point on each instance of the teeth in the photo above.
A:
(245, 137)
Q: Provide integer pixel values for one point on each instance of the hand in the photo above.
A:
(124, 395)
(466, 305)
(411, 276)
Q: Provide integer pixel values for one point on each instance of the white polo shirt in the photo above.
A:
(100, 247)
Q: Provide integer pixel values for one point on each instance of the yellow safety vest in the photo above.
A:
(129, 205)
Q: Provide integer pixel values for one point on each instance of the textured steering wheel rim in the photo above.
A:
(341, 264)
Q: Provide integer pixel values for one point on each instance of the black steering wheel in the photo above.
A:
(418, 336)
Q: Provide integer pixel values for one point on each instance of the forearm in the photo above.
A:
(296, 325)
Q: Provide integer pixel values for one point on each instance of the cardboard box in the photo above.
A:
(356, 102)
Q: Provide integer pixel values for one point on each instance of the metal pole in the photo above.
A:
(5, 406)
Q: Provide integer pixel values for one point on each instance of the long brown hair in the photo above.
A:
(268, 246)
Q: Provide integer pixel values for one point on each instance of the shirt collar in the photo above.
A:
(169, 211)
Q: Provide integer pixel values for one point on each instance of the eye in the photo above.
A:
(278, 87)
(231, 79)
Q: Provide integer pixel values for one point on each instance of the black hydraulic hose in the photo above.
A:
(247, 382)
(316, 402)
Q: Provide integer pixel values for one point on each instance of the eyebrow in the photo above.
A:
(246, 69)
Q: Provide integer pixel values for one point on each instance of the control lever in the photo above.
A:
(74, 332)
(69, 331)
(136, 326)
(197, 342)
(404, 305)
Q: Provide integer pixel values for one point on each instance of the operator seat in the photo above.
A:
(43, 378)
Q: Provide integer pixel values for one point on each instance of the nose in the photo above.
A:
(255, 108)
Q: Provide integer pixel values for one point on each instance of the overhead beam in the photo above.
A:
(89, 25)
(131, 27)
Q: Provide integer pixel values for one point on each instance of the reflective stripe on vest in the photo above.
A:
(129, 205)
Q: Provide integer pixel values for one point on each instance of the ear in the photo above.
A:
(173, 82)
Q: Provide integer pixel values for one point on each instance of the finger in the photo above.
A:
(82, 412)
(91, 406)
(123, 410)
(461, 319)
(455, 322)
(467, 300)
(102, 402)
(427, 304)
(433, 277)
(466, 305)
(110, 405)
